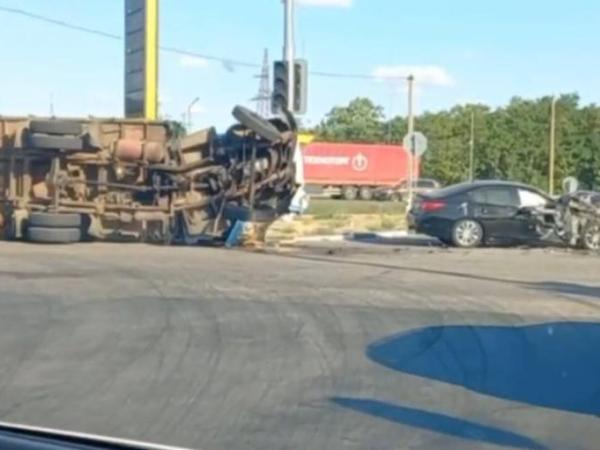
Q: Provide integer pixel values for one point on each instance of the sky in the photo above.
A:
(460, 51)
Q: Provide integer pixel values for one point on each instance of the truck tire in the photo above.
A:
(366, 193)
(46, 141)
(56, 127)
(54, 220)
(53, 235)
(254, 122)
(349, 192)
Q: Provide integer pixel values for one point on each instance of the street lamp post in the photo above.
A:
(289, 48)
(189, 113)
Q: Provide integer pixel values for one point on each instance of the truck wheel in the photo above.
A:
(590, 237)
(54, 220)
(54, 235)
(366, 193)
(55, 142)
(56, 127)
(260, 126)
(349, 192)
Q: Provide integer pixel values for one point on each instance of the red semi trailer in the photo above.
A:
(354, 170)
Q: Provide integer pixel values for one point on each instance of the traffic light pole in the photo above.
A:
(288, 49)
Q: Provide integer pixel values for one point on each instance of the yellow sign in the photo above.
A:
(305, 138)
(141, 59)
(151, 100)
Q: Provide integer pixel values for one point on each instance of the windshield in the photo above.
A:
(300, 224)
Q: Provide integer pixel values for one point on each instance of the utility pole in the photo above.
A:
(411, 150)
(288, 49)
(552, 146)
(472, 148)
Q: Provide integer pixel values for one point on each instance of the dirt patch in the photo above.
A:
(289, 228)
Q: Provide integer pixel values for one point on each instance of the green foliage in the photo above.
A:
(177, 128)
(511, 142)
(360, 121)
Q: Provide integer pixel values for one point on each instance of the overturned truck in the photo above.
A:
(68, 180)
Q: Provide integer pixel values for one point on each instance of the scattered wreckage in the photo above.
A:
(67, 180)
(578, 219)
(573, 219)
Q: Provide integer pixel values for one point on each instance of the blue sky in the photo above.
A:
(462, 50)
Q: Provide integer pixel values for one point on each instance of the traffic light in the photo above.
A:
(300, 86)
(280, 100)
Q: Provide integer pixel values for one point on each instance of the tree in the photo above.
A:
(511, 142)
(360, 121)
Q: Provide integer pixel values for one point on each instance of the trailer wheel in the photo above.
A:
(53, 235)
(54, 220)
(366, 193)
(349, 192)
(260, 126)
(56, 127)
(55, 142)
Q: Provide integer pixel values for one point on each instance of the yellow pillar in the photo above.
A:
(151, 75)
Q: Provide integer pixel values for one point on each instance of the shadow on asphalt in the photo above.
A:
(439, 423)
(567, 288)
(420, 240)
(552, 365)
(409, 240)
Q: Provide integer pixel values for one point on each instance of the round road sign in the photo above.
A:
(416, 141)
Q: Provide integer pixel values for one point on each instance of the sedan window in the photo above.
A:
(502, 196)
(530, 199)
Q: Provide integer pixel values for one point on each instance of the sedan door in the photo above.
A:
(496, 208)
(530, 201)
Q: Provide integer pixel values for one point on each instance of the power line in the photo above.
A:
(357, 76)
(228, 63)
(174, 50)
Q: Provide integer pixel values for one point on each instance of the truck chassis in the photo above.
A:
(139, 180)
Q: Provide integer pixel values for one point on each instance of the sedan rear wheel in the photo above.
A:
(467, 233)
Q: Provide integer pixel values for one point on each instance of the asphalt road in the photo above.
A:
(337, 346)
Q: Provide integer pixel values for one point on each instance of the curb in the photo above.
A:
(352, 236)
